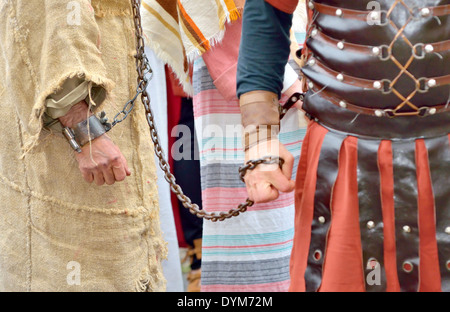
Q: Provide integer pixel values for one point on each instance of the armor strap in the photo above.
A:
(423, 111)
(384, 86)
(419, 50)
(381, 16)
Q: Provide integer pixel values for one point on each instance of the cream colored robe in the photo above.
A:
(57, 232)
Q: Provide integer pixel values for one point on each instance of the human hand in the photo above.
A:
(265, 182)
(100, 161)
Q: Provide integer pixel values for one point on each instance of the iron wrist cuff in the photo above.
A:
(84, 132)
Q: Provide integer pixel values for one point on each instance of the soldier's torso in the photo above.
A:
(371, 62)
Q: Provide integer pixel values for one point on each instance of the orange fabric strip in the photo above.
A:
(304, 203)
(343, 267)
(193, 29)
(387, 200)
(430, 277)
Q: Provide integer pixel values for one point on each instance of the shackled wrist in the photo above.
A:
(84, 132)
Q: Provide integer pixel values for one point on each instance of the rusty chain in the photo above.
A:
(143, 68)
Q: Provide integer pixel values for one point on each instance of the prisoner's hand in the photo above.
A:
(266, 181)
(102, 162)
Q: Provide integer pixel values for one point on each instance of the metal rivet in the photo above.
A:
(312, 62)
(447, 265)
(370, 224)
(310, 85)
(340, 77)
(377, 85)
(343, 104)
(339, 12)
(372, 263)
(425, 12)
(340, 45)
(375, 50)
(447, 230)
(432, 111)
(407, 266)
(317, 255)
(406, 229)
(314, 32)
(374, 15)
(429, 48)
(431, 83)
(311, 5)
(321, 219)
(378, 113)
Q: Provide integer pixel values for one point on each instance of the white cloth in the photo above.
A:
(158, 96)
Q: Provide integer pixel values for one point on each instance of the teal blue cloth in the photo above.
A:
(264, 49)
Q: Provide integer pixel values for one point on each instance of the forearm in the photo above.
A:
(264, 49)
(76, 114)
(264, 52)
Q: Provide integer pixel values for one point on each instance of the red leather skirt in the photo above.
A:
(371, 214)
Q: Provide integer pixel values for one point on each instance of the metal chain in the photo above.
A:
(251, 164)
(143, 68)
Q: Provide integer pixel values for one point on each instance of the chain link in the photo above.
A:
(251, 164)
(143, 69)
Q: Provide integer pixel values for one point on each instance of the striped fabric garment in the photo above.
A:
(179, 31)
(250, 252)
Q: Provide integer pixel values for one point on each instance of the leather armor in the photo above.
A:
(379, 68)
